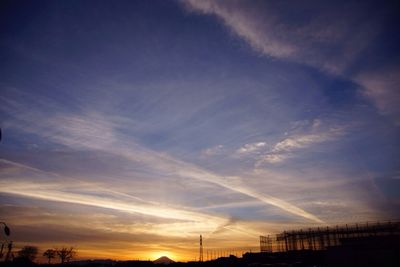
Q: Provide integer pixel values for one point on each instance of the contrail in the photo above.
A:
(286, 206)
(92, 136)
(51, 193)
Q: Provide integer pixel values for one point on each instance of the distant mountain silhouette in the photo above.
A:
(163, 260)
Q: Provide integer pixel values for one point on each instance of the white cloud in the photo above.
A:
(212, 150)
(251, 147)
(273, 158)
(301, 141)
(287, 147)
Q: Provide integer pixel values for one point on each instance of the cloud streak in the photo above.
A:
(245, 21)
(268, 29)
(93, 131)
(382, 87)
(83, 194)
(323, 40)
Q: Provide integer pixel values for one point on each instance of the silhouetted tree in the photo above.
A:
(50, 254)
(66, 254)
(28, 253)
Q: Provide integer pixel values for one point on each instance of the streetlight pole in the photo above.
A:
(7, 232)
(6, 229)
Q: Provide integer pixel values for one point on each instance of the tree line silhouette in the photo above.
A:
(29, 254)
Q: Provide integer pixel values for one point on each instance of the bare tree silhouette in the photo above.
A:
(50, 254)
(66, 254)
(28, 253)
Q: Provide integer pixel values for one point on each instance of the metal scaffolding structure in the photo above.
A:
(265, 244)
(321, 238)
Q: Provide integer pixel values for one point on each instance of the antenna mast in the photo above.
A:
(201, 250)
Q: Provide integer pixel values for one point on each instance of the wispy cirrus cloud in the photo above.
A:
(320, 38)
(93, 131)
(268, 28)
(82, 194)
(244, 20)
(382, 87)
(151, 217)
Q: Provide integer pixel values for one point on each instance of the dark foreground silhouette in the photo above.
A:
(376, 252)
(360, 245)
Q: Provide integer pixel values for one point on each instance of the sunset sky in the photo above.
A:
(132, 127)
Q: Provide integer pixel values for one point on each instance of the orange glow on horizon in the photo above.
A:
(92, 253)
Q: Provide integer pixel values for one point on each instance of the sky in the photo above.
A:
(129, 128)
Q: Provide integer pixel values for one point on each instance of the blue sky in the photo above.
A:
(157, 121)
